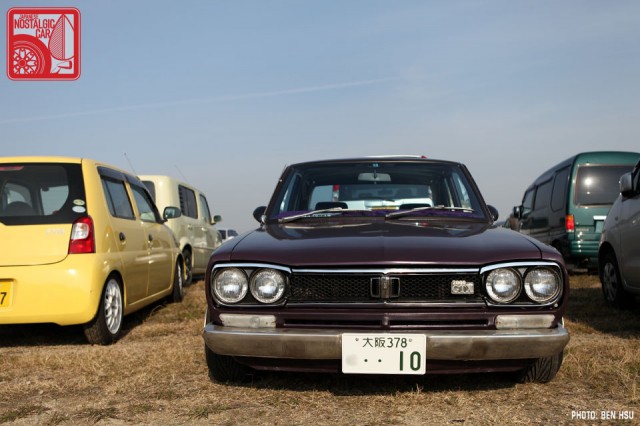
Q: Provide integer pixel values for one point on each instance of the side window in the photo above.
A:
(188, 202)
(559, 194)
(144, 204)
(204, 209)
(527, 202)
(13, 192)
(543, 196)
(463, 195)
(53, 198)
(117, 198)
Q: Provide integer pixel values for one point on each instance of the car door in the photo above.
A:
(629, 228)
(160, 242)
(131, 242)
(208, 233)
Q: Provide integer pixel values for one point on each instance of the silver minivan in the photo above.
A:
(619, 252)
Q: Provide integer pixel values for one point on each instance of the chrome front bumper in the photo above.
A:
(461, 345)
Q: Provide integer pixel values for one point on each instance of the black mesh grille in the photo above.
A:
(357, 288)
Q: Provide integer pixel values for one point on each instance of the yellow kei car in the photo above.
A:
(82, 243)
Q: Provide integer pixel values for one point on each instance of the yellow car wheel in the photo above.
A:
(107, 325)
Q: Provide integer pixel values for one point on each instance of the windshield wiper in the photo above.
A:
(311, 213)
(402, 213)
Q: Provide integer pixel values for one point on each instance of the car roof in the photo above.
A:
(382, 158)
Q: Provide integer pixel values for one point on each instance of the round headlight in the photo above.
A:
(230, 285)
(542, 285)
(503, 285)
(267, 285)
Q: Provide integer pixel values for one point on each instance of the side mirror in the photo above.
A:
(217, 218)
(494, 213)
(517, 212)
(626, 185)
(171, 213)
(258, 214)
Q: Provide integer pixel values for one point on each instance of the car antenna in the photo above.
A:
(181, 174)
(130, 165)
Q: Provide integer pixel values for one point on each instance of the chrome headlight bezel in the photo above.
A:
(510, 281)
(251, 273)
(527, 298)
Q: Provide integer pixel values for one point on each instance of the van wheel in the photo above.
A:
(107, 325)
(543, 370)
(223, 368)
(612, 290)
(178, 288)
(188, 266)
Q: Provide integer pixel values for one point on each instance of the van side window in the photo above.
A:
(543, 196)
(188, 202)
(527, 202)
(117, 198)
(559, 195)
(144, 203)
(204, 209)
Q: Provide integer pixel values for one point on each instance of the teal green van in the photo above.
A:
(566, 206)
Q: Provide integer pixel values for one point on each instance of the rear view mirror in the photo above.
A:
(626, 185)
(374, 177)
(217, 218)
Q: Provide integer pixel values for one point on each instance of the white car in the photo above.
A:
(619, 252)
(227, 234)
(195, 228)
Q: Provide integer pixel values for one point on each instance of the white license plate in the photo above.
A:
(384, 353)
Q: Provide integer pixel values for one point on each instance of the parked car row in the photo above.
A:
(375, 265)
(587, 208)
(84, 243)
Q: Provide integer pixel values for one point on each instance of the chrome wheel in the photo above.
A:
(113, 306)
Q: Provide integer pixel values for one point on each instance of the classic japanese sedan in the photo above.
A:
(383, 265)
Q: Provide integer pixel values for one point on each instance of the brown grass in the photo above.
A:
(157, 375)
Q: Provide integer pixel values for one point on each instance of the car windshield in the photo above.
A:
(390, 189)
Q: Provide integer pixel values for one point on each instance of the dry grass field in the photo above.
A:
(157, 375)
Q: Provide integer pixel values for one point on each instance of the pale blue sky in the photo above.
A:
(229, 92)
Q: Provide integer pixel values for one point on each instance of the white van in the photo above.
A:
(195, 229)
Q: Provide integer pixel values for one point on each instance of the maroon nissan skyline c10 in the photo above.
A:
(383, 265)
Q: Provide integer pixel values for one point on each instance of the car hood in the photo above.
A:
(383, 243)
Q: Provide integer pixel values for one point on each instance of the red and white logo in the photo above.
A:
(43, 43)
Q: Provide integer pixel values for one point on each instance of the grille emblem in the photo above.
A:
(461, 287)
(385, 287)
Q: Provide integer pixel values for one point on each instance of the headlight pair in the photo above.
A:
(231, 285)
(541, 284)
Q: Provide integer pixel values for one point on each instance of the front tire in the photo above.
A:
(543, 370)
(223, 368)
(612, 290)
(178, 288)
(106, 327)
(188, 266)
